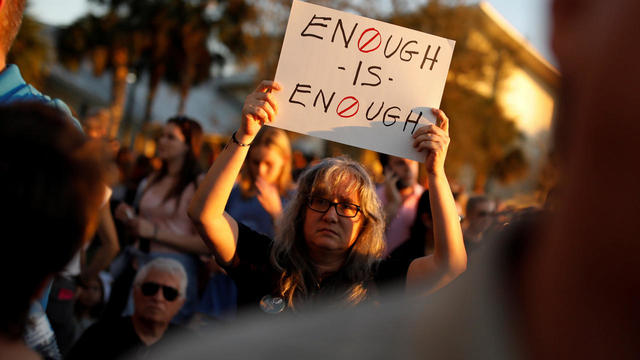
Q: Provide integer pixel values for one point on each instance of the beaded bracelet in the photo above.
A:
(233, 138)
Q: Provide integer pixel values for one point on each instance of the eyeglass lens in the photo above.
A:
(151, 288)
(343, 209)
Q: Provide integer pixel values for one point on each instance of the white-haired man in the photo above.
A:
(158, 293)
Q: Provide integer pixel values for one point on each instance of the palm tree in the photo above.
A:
(168, 39)
(109, 43)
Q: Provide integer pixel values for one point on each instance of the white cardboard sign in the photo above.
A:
(354, 80)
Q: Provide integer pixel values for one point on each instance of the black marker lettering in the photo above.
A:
(410, 52)
(393, 116)
(344, 36)
(355, 79)
(298, 89)
(325, 104)
(387, 45)
(377, 113)
(374, 74)
(433, 60)
(414, 122)
(311, 23)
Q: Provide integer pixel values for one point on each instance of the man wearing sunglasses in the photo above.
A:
(158, 293)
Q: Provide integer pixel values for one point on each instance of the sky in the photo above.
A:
(529, 17)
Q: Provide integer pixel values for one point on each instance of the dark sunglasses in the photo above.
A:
(151, 288)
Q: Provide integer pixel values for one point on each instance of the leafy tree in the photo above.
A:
(108, 42)
(485, 137)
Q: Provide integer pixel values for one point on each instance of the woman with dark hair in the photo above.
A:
(163, 199)
(89, 305)
(329, 240)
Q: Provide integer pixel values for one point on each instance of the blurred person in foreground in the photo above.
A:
(52, 189)
(14, 89)
(329, 241)
(159, 292)
(568, 288)
(88, 263)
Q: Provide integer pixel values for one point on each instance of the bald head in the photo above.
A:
(10, 20)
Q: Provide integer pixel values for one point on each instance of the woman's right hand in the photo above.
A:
(259, 108)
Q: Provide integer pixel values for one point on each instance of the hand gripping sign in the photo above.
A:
(354, 80)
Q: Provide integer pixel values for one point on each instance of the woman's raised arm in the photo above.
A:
(449, 259)
(219, 230)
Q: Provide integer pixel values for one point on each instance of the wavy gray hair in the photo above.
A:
(165, 265)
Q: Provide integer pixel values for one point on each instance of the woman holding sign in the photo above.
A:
(330, 237)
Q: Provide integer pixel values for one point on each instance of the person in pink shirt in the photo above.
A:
(399, 196)
(162, 224)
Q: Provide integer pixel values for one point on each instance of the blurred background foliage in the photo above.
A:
(171, 41)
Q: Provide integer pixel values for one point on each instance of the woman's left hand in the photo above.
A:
(269, 197)
(434, 139)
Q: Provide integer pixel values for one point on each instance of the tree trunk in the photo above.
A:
(156, 75)
(185, 85)
(184, 94)
(118, 89)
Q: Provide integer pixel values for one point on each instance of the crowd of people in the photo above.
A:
(110, 256)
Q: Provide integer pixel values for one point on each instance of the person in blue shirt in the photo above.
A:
(14, 89)
(265, 182)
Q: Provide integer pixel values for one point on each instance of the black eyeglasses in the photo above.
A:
(343, 209)
(151, 288)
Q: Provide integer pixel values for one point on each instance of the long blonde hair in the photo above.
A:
(268, 136)
(289, 253)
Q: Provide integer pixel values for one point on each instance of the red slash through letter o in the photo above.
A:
(348, 107)
(370, 40)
